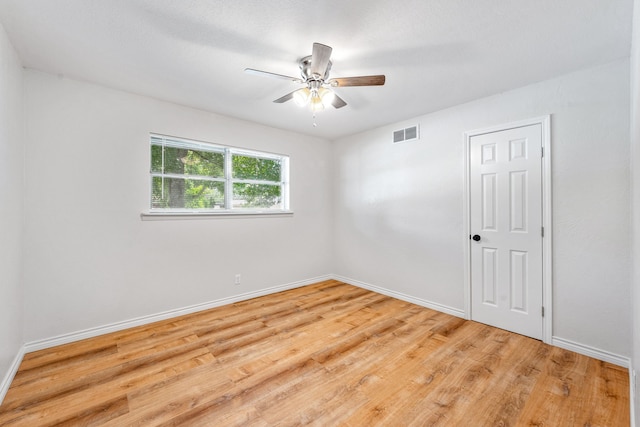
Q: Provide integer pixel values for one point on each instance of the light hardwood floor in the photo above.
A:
(328, 354)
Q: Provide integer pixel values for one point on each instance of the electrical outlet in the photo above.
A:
(237, 282)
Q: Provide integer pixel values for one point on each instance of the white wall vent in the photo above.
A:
(407, 134)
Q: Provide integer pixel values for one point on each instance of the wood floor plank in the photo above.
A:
(512, 390)
(377, 379)
(323, 354)
(123, 367)
(82, 350)
(98, 415)
(555, 393)
(68, 398)
(433, 383)
(163, 401)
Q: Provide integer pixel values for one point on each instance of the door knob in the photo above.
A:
(476, 237)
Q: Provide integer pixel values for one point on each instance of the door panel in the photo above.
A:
(489, 276)
(489, 202)
(505, 182)
(519, 281)
(518, 201)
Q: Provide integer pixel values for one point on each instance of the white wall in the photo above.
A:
(399, 208)
(635, 197)
(11, 207)
(90, 260)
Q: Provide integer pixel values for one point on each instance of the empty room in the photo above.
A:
(333, 213)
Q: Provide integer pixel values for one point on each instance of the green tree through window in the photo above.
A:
(253, 194)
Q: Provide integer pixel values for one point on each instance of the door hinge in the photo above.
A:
(542, 231)
(543, 311)
(542, 151)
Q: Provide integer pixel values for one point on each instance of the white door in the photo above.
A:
(505, 190)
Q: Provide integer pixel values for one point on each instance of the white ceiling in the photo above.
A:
(434, 53)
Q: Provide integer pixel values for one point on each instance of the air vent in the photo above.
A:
(407, 134)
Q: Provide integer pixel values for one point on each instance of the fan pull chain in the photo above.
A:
(314, 120)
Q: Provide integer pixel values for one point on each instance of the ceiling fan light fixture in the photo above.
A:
(316, 103)
(301, 96)
(315, 96)
(326, 96)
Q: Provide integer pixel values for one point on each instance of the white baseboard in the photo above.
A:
(143, 320)
(11, 373)
(404, 297)
(596, 353)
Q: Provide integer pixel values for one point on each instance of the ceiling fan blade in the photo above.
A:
(320, 59)
(268, 74)
(338, 102)
(285, 98)
(358, 81)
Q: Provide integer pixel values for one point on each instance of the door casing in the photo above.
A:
(547, 274)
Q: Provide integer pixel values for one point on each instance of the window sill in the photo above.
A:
(163, 216)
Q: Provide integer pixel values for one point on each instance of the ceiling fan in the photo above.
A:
(314, 71)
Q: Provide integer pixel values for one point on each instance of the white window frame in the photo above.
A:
(227, 179)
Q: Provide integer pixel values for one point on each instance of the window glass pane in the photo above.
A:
(245, 167)
(156, 158)
(176, 193)
(256, 196)
(185, 161)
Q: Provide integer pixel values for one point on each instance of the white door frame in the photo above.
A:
(547, 274)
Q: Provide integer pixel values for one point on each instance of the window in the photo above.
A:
(192, 176)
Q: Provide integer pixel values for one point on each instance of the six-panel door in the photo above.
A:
(506, 213)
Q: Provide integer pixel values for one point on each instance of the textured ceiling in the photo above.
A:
(435, 53)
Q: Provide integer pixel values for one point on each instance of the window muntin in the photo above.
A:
(200, 177)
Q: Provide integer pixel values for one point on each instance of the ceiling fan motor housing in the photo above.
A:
(305, 70)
